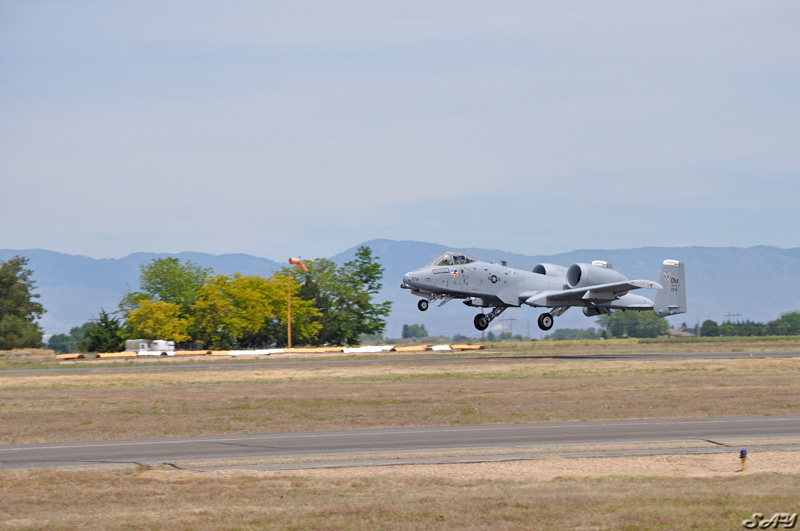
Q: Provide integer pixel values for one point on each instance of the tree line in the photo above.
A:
(648, 325)
(193, 306)
(330, 304)
(788, 324)
(617, 324)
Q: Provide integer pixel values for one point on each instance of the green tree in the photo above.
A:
(344, 297)
(104, 335)
(791, 321)
(18, 309)
(727, 329)
(322, 285)
(62, 343)
(777, 328)
(67, 343)
(168, 280)
(415, 330)
(365, 274)
(633, 324)
(709, 328)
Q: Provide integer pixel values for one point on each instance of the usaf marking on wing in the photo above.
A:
(595, 287)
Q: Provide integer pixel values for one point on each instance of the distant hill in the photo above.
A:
(759, 283)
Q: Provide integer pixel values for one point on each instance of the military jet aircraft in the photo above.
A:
(595, 287)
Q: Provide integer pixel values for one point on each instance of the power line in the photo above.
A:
(729, 315)
(508, 319)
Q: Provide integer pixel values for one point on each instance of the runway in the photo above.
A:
(448, 442)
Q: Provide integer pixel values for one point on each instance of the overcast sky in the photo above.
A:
(305, 128)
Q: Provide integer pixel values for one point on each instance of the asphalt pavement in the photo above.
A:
(397, 441)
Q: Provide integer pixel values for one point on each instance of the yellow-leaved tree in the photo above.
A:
(305, 316)
(248, 311)
(158, 319)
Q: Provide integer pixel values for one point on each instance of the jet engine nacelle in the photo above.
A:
(583, 275)
(551, 270)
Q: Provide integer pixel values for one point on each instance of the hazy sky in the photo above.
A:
(304, 128)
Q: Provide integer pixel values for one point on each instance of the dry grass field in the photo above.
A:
(51, 407)
(549, 385)
(423, 498)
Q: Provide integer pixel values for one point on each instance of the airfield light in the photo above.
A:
(299, 263)
(743, 457)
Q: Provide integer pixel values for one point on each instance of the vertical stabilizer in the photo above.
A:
(671, 299)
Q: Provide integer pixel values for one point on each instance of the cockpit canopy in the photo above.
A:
(452, 258)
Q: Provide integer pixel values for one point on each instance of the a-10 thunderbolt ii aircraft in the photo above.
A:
(595, 287)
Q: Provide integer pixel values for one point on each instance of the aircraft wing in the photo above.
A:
(589, 294)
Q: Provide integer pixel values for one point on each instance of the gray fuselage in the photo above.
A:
(494, 284)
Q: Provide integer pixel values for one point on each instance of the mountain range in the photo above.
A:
(723, 283)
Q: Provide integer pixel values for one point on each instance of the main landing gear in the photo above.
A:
(482, 320)
(546, 319)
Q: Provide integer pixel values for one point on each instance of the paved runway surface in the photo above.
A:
(397, 440)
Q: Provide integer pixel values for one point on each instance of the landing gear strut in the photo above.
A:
(482, 320)
(546, 319)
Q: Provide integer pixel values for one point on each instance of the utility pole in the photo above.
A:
(510, 320)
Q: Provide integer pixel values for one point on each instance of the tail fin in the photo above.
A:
(672, 298)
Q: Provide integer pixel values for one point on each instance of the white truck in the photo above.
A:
(147, 347)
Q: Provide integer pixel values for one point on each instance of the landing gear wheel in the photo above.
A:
(545, 321)
(481, 322)
(422, 305)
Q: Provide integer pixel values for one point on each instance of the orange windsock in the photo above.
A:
(298, 262)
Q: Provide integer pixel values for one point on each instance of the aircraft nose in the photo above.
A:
(407, 279)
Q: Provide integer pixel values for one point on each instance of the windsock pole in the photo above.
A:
(301, 265)
(289, 315)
